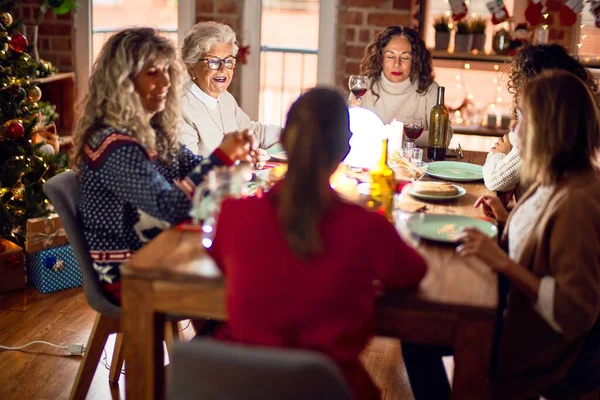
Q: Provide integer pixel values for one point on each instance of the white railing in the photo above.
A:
(284, 75)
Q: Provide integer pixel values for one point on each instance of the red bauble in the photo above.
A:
(18, 43)
(15, 130)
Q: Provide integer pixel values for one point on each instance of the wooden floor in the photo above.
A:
(63, 318)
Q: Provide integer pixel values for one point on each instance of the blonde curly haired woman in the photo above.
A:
(136, 178)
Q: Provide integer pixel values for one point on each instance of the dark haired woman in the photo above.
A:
(401, 78)
(502, 168)
(314, 290)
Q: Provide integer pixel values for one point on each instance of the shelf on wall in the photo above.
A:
(56, 77)
(477, 62)
(59, 89)
(478, 130)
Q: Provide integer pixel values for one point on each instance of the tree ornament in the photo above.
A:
(498, 10)
(34, 94)
(568, 12)
(14, 129)
(46, 149)
(6, 19)
(4, 47)
(19, 192)
(18, 43)
(459, 9)
(21, 94)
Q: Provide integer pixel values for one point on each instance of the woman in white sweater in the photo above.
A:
(502, 168)
(399, 69)
(209, 110)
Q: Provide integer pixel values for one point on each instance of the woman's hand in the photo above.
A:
(502, 145)
(477, 244)
(260, 157)
(492, 207)
(354, 101)
(238, 146)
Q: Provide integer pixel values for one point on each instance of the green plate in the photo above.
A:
(281, 156)
(455, 171)
(445, 228)
(461, 192)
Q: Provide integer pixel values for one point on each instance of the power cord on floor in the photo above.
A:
(106, 364)
(74, 349)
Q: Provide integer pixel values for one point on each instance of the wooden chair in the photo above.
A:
(208, 369)
(64, 192)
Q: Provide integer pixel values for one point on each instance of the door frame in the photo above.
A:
(250, 72)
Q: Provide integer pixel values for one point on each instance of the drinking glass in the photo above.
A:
(404, 222)
(358, 85)
(417, 156)
(413, 128)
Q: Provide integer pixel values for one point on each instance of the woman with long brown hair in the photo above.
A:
(400, 74)
(300, 262)
(548, 337)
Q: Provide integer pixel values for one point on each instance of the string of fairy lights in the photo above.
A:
(497, 97)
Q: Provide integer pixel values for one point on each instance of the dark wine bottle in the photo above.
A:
(438, 129)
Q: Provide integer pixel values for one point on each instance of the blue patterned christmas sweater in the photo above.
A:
(128, 197)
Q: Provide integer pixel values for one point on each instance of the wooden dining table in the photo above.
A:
(455, 305)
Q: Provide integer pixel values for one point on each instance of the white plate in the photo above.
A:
(413, 193)
(281, 156)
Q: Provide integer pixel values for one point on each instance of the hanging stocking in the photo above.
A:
(459, 9)
(533, 13)
(595, 10)
(498, 10)
(568, 12)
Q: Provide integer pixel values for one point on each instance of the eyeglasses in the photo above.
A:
(215, 63)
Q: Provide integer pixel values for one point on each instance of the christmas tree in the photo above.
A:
(28, 148)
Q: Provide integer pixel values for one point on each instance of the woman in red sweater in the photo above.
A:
(301, 262)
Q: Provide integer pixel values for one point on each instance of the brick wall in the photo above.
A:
(359, 21)
(228, 12)
(56, 34)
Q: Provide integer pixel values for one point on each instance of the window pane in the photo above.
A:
(110, 16)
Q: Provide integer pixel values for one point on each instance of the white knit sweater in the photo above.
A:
(401, 100)
(501, 172)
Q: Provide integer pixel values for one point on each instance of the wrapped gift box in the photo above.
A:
(12, 266)
(44, 233)
(53, 269)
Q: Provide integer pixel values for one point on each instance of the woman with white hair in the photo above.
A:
(209, 110)
(136, 179)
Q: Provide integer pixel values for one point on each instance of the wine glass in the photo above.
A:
(358, 85)
(413, 128)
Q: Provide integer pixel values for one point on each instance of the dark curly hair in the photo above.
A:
(531, 60)
(421, 68)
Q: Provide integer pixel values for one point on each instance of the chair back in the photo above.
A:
(63, 191)
(208, 369)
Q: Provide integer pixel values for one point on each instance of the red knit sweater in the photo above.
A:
(324, 303)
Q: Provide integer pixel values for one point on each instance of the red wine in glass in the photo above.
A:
(412, 131)
(358, 92)
(358, 85)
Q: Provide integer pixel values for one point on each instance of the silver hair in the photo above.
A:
(202, 37)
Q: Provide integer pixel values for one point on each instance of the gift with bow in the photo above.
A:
(44, 233)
